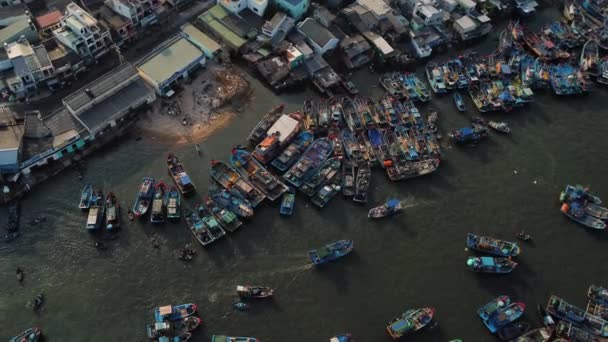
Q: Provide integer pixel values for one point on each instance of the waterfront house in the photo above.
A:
(11, 135)
(317, 36)
(121, 28)
(356, 51)
(472, 25)
(142, 13)
(294, 8)
(31, 66)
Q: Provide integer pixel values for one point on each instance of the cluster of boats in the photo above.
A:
(405, 86)
(501, 252)
(101, 209)
(579, 205)
(173, 323)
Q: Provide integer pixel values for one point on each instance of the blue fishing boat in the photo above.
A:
(435, 76)
(144, 197)
(29, 335)
(292, 153)
(112, 212)
(311, 161)
(351, 147)
(173, 204)
(598, 294)
(210, 222)
(326, 193)
(174, 312)
(391, 207)
(180, 176)
(234, 182)
(226, 218)
(231, 202)
(491, 265)
(459, 102)
(327, 171)
(257, 174)
(577, 212)
(498, 303)
(379, 145)
(159, 203)
(410, 321)
(566, 79)
(96, 211)
(331, 251)
(342, 338)
(223, 338)
(351, 116)
(85, 197)
(468, 134)
(387, 106)
(288, 203)
(578, 192)
(505, 316)
(492, 246)
(562, 310)
(198, 228)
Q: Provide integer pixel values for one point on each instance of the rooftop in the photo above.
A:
(294, 2)
(315, 31)
(115, 20)
(10, 138)
(220, 29)
(276, 20)
(18, 48)
(9, 33)
(379, 7)
(43, 57)
(49, 19)
(174, 57)
(192, 33)
(466, 23)
(62, 121)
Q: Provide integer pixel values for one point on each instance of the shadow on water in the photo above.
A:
(339, 271)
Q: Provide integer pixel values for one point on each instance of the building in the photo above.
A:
(271, 27)
(48, 22)
(317, 36)
(31, 67)
(121, 28)
(214, 21)
(379, 8)
(323, 15)
(236, 6)
(428, 14)
(356, 51)
(11, 135)
(294, 57)
(142, 13)
(82, 33)
(209, 46)
(294, 8)
(11, 3)
(22, 26)
(472, 25)
(169, 64)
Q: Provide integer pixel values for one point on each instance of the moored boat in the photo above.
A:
(224, 338)
(391, 207)
(362, 183)
(159, 203)
(563, 310)
(597, 211)
(322, 176)
(327, 192)
(231, 202)
(96, 211)
(180, 176)
(491, 265)
(589, 60)
(85, 197)
(468, 134)
(348, 177)
(351, 147)
(278, 136)
(409, 321)
(257, 174)
(144, 197)
(352, 118)
(513, 331)
(568, 332)
(459, 102)
(174, 210)
(536, 335)
(226, 218)
(288, 203)
(259, 131)
(575, 192)
(342, 338)
(324, 116)
(379, 145)
(309, 120)
(310, 162)
(502, 127)
(234, 182)
(505, 316)
(174, 312)
(198, 228)
(435, 76)
(334, 136)
(112, 212)
(176, 328)
(246, 291)
(490, 245)
(292, 153)
(210, 222)
(546, 318)
(496, 304)
(598, 294)
(331, 252)
(29, 335)
(576, 212)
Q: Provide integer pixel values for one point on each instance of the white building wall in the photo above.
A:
(258, 6)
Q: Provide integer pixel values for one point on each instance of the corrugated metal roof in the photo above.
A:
(226, 34)
(170, 60)
(316, 32)
(199, 37)
(10, 138)
(9, 33)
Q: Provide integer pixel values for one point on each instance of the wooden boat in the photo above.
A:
(491, 265)
(335, 108)
(502, 127)
(85, 197)
(491, 308)
(536, 335)
(492, 246)
(176, 328)
(435, 76)
(198, 228)
(309, 122)
(331, 252)
(379, 145)
(246, 291)
(324, 115)
(409, 321)
(334, 136)
(351, 147)
(459, 102)
(513, 331)
(210, 222)
(226, 218)
(561, 309)
(596, 211)
(224, 338)
(159, 203)
(505, 316)
(279, 135)
(377, 114)
(596, 309)
(598, 294)
(576, 212)
(322, 176)
(327, 192)
(350, 86)
(292, 153)
(257, 174)
(144, 197)
(546, 318)
(180, 176)
(174, 312)
(234, 182)
(227, 200)
(352, 118)
(29, 335)
(96, 211)
(576, 192)
(391, 207)
(362, 183)
(392, 86)
(259, 131)
(589, 60)
(602, 77)
(288, 203)
(348, 176)
(310, 162)
(571, 332)
(366, 148)
(112, 212)
(174, 204)
(468, 134)
(364, 112)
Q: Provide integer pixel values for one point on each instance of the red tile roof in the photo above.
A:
(49, 19)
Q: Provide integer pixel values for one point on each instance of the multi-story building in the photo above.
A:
(82, 33)
(235, 6)
(294, 8)
(31, 67)
(121, 28)
(141, 12)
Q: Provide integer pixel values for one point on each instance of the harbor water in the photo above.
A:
(416, 259)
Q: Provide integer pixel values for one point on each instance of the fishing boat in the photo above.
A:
(589, 60)
(459, 102)
(431, 121)
(391, 207)
(434, 75)
(85, 197)
(576, 212)
(176, 328)
(513, 331)
(409, 321)
(546, 318)
(523, 236)
(342, 338)
(309, 121)
(246, 291)
(174, 312)
(288, 203)
(198, 228)
(112, 212)
(159, 203)
(29, 335)
(578, 192)
(348, 176)
(322, 176)
(562, 310)
(491, 265)
(223, 338)
(352, 118)
(351, 147)
(379, 145)
(96, 211)
(257, 174)
(491, 308)
(598, 294)
(392, 87)
(310, 162)
(492, 246)
(331, 252)
(234, 182)
(350, 86)
(602, 77)
(277, 137)
(596, 211)
(365, 113)
(144, 197)
(502, 127)
(259, 131)
(535, 335)
(231, 202)
(366, 148)
(468, 134)
(386, 106)
(362, 183)
(180, 176)
(210, 222)
(505, 316)
(227, 219)
(335, 107)
(327, 192)
(377, 114)
(597, 309)
(566, 332)
(334, 136)
(324, 115)
(174, 204)
(566, 79)
(292, 153)
(421, 90)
